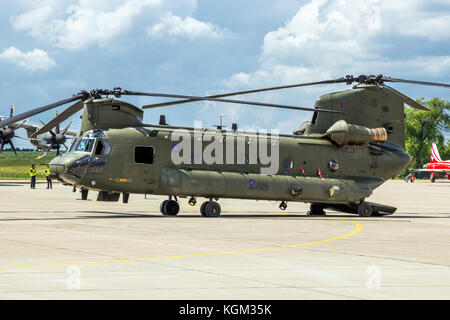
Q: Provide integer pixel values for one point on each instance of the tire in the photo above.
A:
(161, 207)
(171, 208)
(202, 208)
(365, 209)
(316, 210)
(212, 209)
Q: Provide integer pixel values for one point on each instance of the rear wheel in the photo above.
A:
(212, 209)
(364, 209)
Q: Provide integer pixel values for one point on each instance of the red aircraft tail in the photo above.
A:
(435, 157)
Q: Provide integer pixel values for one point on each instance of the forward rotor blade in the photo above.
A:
(424, 83)
(134, 93)
(35, 111)
(410, 102)
(236, 93)
(60, 118)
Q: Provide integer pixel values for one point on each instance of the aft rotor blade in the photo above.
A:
(35, 111)
(60, 118)
(424, 83)
(150, 94)
(410, 102)
(236, 93)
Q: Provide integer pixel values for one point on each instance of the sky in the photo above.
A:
(51, 49)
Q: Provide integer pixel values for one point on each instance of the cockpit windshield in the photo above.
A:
(85, 145)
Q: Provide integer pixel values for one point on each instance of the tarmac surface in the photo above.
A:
(55, 246)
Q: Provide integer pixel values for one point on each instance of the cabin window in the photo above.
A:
(143, 155)
(288, 163)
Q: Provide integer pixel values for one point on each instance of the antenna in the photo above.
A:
(220, 126)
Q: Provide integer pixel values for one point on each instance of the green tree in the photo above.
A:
(426, 127)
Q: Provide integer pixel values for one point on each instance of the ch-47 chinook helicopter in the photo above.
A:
(353, 144)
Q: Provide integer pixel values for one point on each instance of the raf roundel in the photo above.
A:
(251, 182)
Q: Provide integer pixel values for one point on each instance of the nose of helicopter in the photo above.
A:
(69, 167)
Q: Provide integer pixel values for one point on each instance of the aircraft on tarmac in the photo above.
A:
(354, 142)
(436, 165)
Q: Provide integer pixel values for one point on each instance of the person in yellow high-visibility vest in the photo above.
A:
(33, 177)
(49, 181)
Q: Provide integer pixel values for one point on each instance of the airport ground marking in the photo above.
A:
(358, 228)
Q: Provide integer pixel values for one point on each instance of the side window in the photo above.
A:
(143, 155)
(99, 148)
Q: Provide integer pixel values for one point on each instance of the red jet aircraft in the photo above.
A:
(436, 164)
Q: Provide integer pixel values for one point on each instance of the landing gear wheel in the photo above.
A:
(211, 209)
(202, 208)
(364, 209)
(316, 210)
(171, 208)
(161, 207)
(283, 205)
(84, 193)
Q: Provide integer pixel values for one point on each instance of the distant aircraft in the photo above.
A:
(436, 165)
(43, 141)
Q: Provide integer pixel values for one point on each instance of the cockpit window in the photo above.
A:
(85, 145)
(98, 134)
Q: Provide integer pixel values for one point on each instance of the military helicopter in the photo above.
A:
(352, 145)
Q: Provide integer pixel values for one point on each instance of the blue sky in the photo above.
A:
(50, 49)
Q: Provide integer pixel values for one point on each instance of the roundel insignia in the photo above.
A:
(251, 182)
(175, 148)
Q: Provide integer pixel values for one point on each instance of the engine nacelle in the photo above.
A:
(343, 134)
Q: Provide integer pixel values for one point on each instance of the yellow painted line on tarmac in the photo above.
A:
(358, 228)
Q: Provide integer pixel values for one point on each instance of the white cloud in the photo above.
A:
(174, 26)
(78, 24)
(32, 60)
(75, 26)
(333, 38)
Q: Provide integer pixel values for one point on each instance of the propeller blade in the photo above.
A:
(68, 126)
(65, 146)
(22, 124)
(150, 94)
(20, 138)
(57, 150)
(42, 155)
(410, 102)
(11, 111)
(32, 112)
(60, 118)
(12, 147)
(2, 144)
(164, 104)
